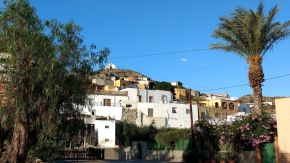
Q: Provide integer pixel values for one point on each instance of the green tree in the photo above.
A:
(170, 137)
(48, 68)
(166, 86)
(250, 34)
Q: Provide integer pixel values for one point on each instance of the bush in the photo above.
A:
(46, 150)
(170, 137)
(128, 132)
(248, 132)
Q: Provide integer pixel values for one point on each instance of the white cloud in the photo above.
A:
(184, 59)
(234, 98)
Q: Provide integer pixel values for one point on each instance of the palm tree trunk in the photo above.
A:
(17, 151)
(256, 78)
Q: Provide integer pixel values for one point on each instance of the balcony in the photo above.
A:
(113, 93)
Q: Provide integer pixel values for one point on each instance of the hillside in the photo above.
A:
(250, 99)
(122, 73)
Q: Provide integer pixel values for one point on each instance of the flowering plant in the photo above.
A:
(256, 130)
(251, 131)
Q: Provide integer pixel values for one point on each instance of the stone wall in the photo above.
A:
(129, 115)
(111, 154)
(163, 155)
(248, 157)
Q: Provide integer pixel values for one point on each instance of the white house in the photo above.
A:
(244, 108)
(148, 96)
(100, 116)
(166, 114)
(238, 116)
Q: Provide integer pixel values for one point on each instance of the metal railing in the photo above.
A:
(115, 93)
(83, 154)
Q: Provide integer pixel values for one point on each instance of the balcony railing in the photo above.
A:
(114, 93)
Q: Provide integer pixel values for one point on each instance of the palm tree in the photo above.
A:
(250, 34)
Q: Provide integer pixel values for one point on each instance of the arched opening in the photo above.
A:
(216, 105)
(231, 106)
(224, 105)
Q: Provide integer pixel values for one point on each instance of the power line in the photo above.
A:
(246, 84)
(158, 54)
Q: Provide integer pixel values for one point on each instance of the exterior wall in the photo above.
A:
(111, 112)
(134, 94)
(180, 93)
(112, 154)
(212, 102)
(163, 115)
(106, 133)
(98, 100)
(239, 115)
(163, 155)
(215, 115)
(105, 136)
(103, 82)
(110, 88)
(244, 108)
(283, 120)
(96, 109)
(141, 86)
(121, 83)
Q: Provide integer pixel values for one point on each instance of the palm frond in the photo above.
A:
(248, 32)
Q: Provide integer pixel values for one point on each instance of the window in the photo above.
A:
(203, 116)
(150, 99)
(128, 105)
(107, 140)
(174, 110)
(90, 100)
(231, 106)
(93, 113)
(187, 111)
(202, 104)
(224, 105)
(90, 128)
(140, 98)
(106, 126)
(150, 112)
(107, 102)
(164, 98)
(216, 105)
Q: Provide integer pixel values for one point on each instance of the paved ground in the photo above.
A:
(113, 161)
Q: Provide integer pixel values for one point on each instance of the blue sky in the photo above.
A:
(141, 27)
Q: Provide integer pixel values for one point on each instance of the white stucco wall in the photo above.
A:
(163, 114)
(244, 108)
(98, 100)
(103, 133)
(156, 94)
(106, 133)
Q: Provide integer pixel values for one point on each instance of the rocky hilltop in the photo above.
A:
(122, 73)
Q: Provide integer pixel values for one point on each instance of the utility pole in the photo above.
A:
(190, 112)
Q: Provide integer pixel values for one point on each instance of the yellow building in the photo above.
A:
(110, 88)
(180, 93)
(142, 86)
(121, 83)
(220, 103)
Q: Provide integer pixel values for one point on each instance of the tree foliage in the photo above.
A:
(170, 137)
(128, 132)
(48, 67)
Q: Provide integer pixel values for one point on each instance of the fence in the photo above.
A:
(83, 154)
